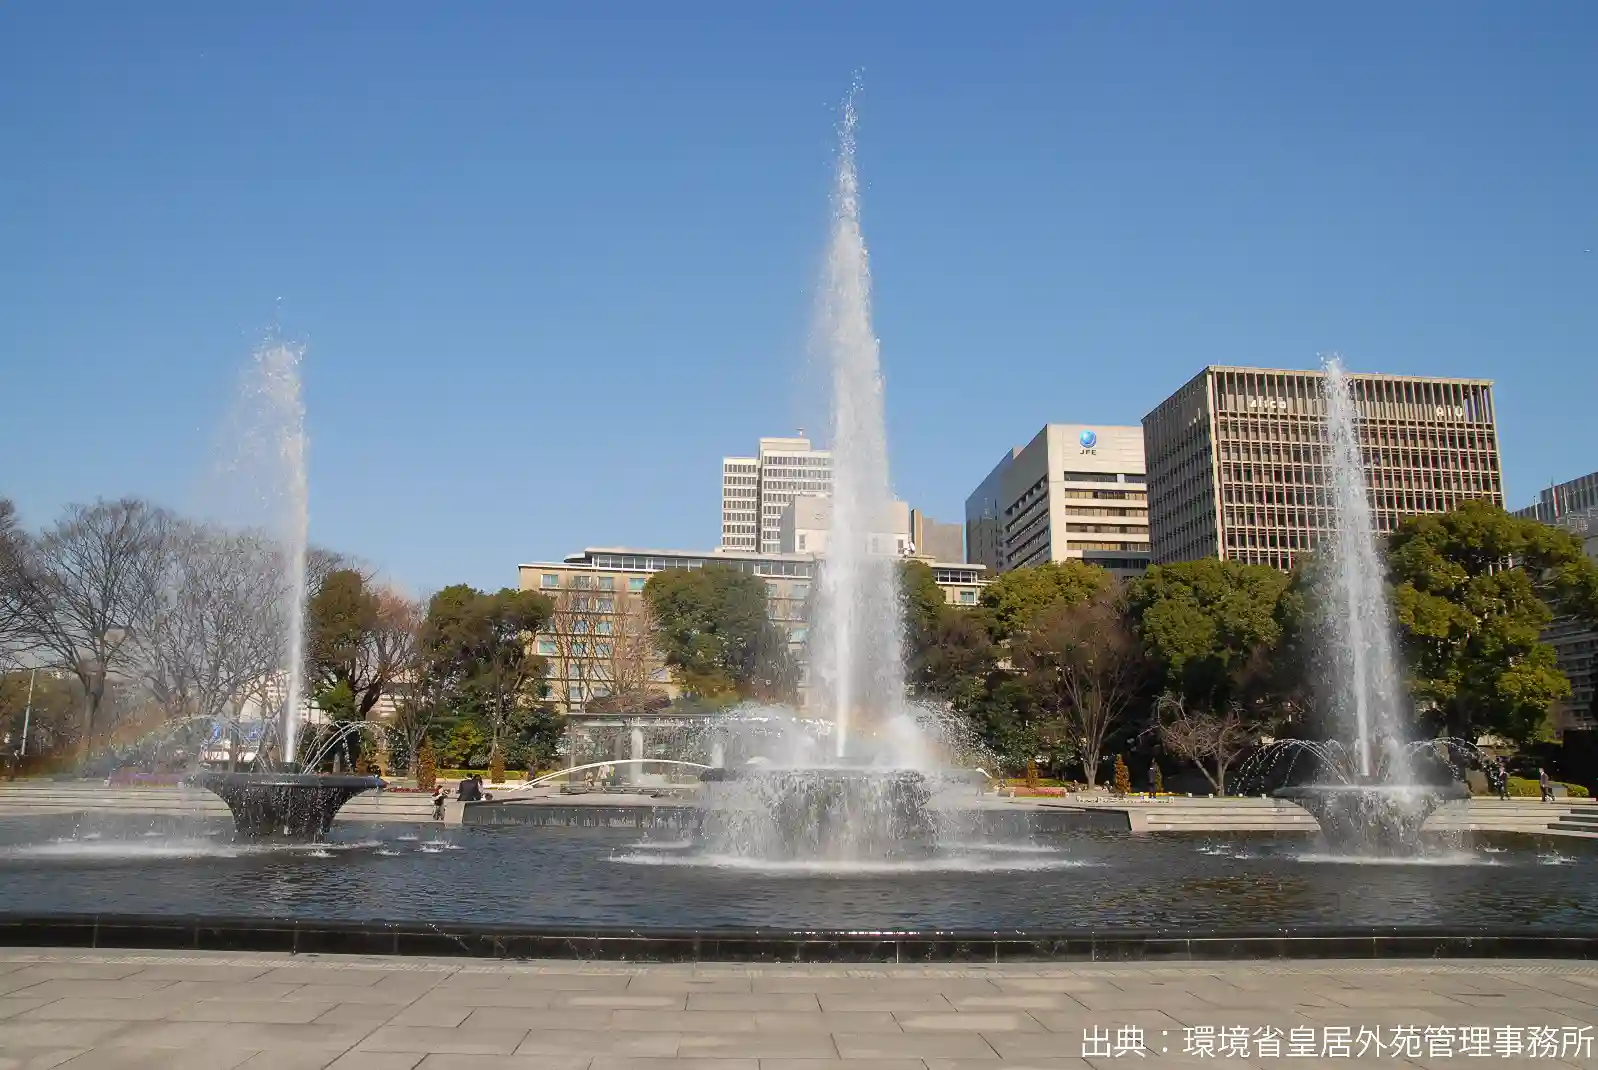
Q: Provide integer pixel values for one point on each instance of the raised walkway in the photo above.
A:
(29, 798)
(1238, 814)
(190, 1011)
(1577, 818)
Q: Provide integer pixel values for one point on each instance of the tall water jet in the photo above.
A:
(1366, 696)
(1366, 802)
(859, 632)
(274, 442)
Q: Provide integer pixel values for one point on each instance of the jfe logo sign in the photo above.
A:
(1088, 439)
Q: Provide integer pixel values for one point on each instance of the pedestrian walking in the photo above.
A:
(1501, 779)
(1546, 784)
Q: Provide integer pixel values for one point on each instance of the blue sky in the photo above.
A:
(553, 261)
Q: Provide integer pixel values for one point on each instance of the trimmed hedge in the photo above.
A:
(1526, 788)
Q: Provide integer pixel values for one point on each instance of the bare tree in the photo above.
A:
(87, 586)
(214, 629)
(13, 605)
(1212, 739)
(1084, 668)
(603, 648)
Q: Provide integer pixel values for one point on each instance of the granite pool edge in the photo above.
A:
(411, 938)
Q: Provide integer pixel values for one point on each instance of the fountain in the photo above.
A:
(869, 785)
(285, 804)
(1372, 804)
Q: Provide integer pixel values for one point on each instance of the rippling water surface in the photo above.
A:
(612, 877)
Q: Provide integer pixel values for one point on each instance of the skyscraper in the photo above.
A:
(1236, 459)
(755, 490)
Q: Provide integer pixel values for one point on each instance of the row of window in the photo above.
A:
(550, 581)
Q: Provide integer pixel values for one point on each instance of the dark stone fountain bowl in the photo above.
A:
(295, 807)
(1380, 820)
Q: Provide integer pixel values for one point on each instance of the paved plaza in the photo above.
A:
(186, 1011)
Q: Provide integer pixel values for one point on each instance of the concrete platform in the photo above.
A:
(28, 798)
(187, 1011)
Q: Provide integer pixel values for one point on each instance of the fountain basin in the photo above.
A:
(295, 807)
(1380, 820)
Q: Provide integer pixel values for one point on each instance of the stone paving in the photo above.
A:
(187, 1011)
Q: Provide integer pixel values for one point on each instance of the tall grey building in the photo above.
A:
(1573, 506)
(1074, 491)
(1579, 495)
(755, 490)
(1237, 470)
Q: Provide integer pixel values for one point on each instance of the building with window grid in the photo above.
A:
(755, 490)
(1575, 496)
(1573, 506)
(1236, 465)
(1074, 491)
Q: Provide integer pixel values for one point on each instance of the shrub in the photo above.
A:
(1123, 776)
(496, 768)
(1527, 788)
(1159, 781)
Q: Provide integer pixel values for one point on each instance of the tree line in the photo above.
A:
(1062, 663)
(123, 618)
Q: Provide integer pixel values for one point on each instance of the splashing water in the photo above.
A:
(1360, 622)
(860, 660)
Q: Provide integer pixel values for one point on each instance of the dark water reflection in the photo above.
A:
(602, 877)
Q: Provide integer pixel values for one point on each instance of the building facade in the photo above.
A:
(598, 643)
(1574, 497)
(806, 528)
(1236, 459)
(1573, 506)
(755, 490)
(1076, 491)
(941, 542)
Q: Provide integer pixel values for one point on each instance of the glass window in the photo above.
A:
(604, 627)
(549, 579)
(602, 649)
(606, 605)
(636, 583)
(579, 650)
(546, 647)
(580, 627)
(607, 583)
(968, 597)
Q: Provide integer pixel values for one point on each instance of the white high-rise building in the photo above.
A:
(755, 490)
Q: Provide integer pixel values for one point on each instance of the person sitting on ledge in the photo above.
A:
(468, 790)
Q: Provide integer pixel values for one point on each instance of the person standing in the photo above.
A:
(1546, 784)
(440, 793)
(1501, 779)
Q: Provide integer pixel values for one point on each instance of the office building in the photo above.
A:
(1573, 506)
(1576, 496)
(929, 538)
(806, 527)
(598, 642)
(1076, 491)
(984, 544)
(1236, 459)
(755, 490)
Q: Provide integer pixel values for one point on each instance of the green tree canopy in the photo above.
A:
(484, 641)
(717, 636)
(1018, 596)
(1473, 590)
(949, 655)
(1204, 623)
